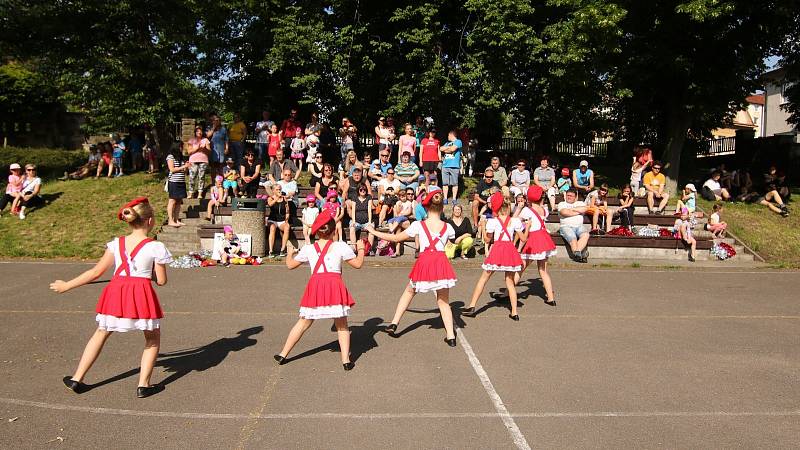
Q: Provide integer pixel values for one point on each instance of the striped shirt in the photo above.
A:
(405, 171)
(176, 177)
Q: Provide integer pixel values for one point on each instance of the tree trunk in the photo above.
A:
(676, 131)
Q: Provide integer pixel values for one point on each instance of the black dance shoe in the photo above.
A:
(75, 386)
(147, 391)
(469, 312)
(514, 317)
(281, 359)
(548, 303)
(348, 366)
(450, 342)
(391, 329)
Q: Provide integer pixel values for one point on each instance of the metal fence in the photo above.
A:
(717, 147)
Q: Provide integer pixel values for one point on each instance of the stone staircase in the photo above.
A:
(185, 239)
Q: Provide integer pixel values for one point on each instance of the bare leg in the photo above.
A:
(271, 241)
(152, 342)
(664, 201)
(90, 353)
(402, 305)
(352, 235)
(306, 234)
(512, 292)
(609, 219)
(177, 214)
(479, 287)
(285, 237)
(455, 193)
(518, 275)
(546, 281)
(650, 201)
(295, 334)
(443, 302)
(343, 334)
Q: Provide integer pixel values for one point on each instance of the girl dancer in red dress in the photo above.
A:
(539, 246)
(432, 271)
(129, 301)
(326, 296)
(503, 256)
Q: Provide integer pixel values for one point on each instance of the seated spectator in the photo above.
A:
(712, 190)
(379, 167)
(483, 190)
(217, 196)
(106, 151)
(570, 212)
(545, 177)
(13, 189)
(498, 171)
(278, 166)
(310, 213)
(349, 165)
(250, 174)
(583, 179)
(403, 211)
(598, 207)
(333, 204)
(407, 172)
(230, 178)
(315, 169)
(365, 164)
(564, 183)
(772, 198)
(683, 231)
(86, 169)
(688, 199)
(778, 179)
(520, 178)
(464, 239)
(327, 184)
(361, 216)
(715, 224)
(29, 194)
(279, 219)
(387, 195)
(519, 205)
(351, 185)
(642, 157)
(288, 185)
(655, 183)
(626, 210)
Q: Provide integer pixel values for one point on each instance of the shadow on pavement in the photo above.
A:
(184, 362)
(434, 322)
(362, 340)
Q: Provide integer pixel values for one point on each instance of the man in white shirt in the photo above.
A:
(712, 190)
(570, 212)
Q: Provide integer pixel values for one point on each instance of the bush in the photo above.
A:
(50, 162)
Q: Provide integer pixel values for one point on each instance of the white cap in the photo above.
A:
(14, 166)
(691, 187)
(434, 188)
(584, 163)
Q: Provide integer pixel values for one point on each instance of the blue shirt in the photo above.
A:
(452, 160)
(420, 213)
(583, 177)
(119, 150)
(218, 140)
(377, 164)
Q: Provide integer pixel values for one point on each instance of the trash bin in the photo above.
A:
(247, 216)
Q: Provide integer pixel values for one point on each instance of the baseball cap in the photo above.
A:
(14, 166)
(229, 160)
(565, 172)
(331, 194)
(311, 198)
(691, 187)
(584, 163)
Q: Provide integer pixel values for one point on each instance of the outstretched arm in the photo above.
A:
(90, 275)
(358, 261)
(400, 237)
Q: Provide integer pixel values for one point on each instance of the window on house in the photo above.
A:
(784, 98)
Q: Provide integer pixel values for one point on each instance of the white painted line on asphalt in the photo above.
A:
(508, 421)
(372, 416)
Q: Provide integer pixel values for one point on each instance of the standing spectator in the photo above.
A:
(250, 174)
(451, 165)
(176, 185)
(520, 178)
(626, 209)
(237, 134)
(315, 170)
(218, 135)
(151, 149)
(431, 156)
(483, 190)
(199, 149)
(274, 142)
(384, 135)
(360, 216)
(327, 145)
(499, 171)
(263, 128)
(278, 220)
(408, 144)
(545, 177)
(348, 134)
(642, 157)
(366, 163)
(464, 238)
(136, 145)
(583, 178)
(655, 183)
(117, 154)
(313, 128)
(289, 128)
(29, 195)
(712, 190)
(407, 172)
(297, 145)
(379, 167)
(570, 212)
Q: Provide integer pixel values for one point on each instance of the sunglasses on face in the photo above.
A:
(656, 168)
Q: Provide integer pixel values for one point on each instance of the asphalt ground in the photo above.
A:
(630, 358)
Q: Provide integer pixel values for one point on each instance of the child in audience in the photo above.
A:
(275, 138)
(312, 147)
(564, 183)
(14, 187)
(218, 196)
(230, 175)
(128, 301)
(688, 200)
(325, 296)
(715, 224)
(683, 231)
(116, 155)
(333, 204)
(310, 213)
(297, 146)
(231, 248)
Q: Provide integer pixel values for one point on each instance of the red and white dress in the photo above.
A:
(432, 271)
(129, 301)
(503, 256)
(540, 245)
(326, 296)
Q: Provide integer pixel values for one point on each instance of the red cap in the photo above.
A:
(535, 193)
(323, 218)
(496, 201)
(565, 172)
(429, 197)
(131, 204)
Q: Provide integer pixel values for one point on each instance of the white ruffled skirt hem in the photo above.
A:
(428, 286)
(496, 268)
(324, 312)
(538, 256)
(122, 324)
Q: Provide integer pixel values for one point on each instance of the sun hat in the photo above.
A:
(691, 187)
(14, 166)
(227, 229)
(331, 194)
(310, 198)
(323, 218)
(130, 204)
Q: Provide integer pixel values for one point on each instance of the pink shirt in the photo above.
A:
(14, 184)
(408, 144)
(199, 156)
